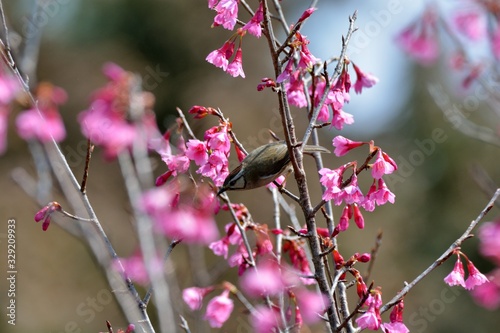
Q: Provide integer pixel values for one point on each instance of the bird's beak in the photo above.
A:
(221, 190)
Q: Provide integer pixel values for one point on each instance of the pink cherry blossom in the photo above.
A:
(475, 278)
(456, 277)
(235, 68)
(43, 123)
(341, 118)
(371, 318)
(177, 217)
(419, 39)
(396, 325)
(312, 305)
(295, 91)
(253, 26)
(106, 122)
(364, 80)
(265, 280)
(489, 235)
(219, 309)
(471, 24)
(343, 145)
(193, 296)
(220, 57)
(352, 193)
(306, 58)
(383, 194)
(265, 319)
(227, 14)
(197, 151)
(383, 165)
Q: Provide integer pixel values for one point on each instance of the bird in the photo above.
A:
(263, 165)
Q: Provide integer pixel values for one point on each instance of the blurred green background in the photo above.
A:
(435, 199)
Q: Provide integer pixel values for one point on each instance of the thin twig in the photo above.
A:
(90, 149)
(184, 324)
(185, 123)
(456, 244)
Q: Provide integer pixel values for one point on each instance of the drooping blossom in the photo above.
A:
(227, 13)
(489, 245)
(265, 319)
(332, 181)
(456, 276)
(306, 58)
(219, 309)
(43, 123)
(377, 195)
(470, 23)
(235, 68)
(220, 57)
(419, 39)
(364, 80)
(295, 90)
(268, 279)
(107, 121)
(396, 324)
(182, 215)
(384, 165)
(193, 296)
(475, 278)
(311, 305)
(211, 155)
(233, 236)
(177, 163)
(254, 25)
(371, 318)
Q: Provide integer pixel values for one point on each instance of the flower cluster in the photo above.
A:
(108, 121)
(218, 309)
(419, 39)
(227, 15)
(456, 277)
(180, 212)
(345, 190)
(211, 154)
(466, 28)
(43, 123)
